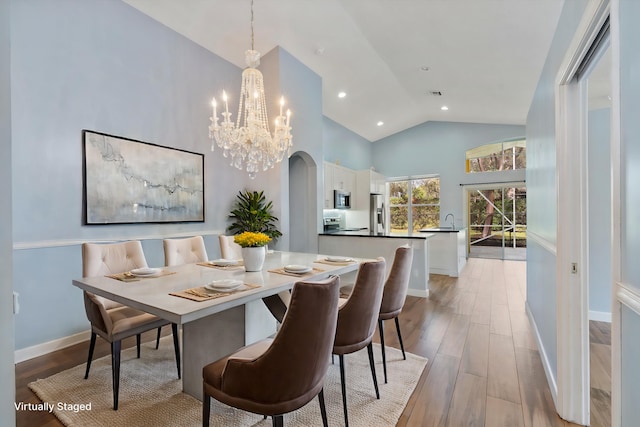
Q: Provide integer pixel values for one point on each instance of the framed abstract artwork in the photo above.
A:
(128, 181)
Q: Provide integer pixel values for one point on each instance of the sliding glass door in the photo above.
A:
(498, 222)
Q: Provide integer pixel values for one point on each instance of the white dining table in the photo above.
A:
(213, 328)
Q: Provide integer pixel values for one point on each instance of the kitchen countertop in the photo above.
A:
(366, 233)
(441, 230)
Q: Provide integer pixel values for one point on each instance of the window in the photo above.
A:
(414, 204)
(499, 156)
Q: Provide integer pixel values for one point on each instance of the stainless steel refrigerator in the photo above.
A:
(377, 223)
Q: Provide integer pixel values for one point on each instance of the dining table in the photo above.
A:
(215, 322)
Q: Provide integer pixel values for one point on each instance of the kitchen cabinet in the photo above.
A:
(337, 177)
(368, 181)
(448, 252)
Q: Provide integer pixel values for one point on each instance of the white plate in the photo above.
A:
(141, 272)
(338, 259)
(222, 262)
(224, 285)
(299, 269)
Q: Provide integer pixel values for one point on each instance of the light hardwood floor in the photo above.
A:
(484, 368)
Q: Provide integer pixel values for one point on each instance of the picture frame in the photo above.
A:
(126, 181)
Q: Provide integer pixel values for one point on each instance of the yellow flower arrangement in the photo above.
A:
(250, 239)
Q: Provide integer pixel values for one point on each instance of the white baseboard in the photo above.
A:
(600, 316)
(47, 347)
(418, 293)
(551, 380)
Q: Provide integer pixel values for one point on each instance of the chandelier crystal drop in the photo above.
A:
(249, 141)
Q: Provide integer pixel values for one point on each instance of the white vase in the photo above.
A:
(253, 258)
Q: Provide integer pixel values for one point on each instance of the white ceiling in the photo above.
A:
(485, 56)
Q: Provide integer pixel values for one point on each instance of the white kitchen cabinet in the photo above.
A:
(448, 252)
(338, 177)
(368, 181)
(344, 179)
(328, 185)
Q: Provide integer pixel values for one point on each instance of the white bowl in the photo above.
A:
(293, 268)
(338, 259)
(222, 262)
(224, 285)
(141, 272)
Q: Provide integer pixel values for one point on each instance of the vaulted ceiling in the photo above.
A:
(389, 56)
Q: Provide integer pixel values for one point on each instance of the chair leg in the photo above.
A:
(344, 390)
(115, 371)
(158, 338)
(277, 421)
(384, 356)
(176, 346)
(138, 344)
(323, 409)
(373, 369)
(404, 356)
(206, 408)
(92, 346)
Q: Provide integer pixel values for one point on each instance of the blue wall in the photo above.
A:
(541, 190)
(440, 148)
(629, 220)
(7, 369)
(599, 161)
(344, 147)
(99, 65)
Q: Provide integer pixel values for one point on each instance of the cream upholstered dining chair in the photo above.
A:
(280, 375)
(357, 320)
(109, 319)
(228, 248)
(184, 251)
(394, 296)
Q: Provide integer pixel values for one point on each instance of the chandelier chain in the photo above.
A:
(249, 141)
(252, 36)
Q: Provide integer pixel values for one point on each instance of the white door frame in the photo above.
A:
(573, 397)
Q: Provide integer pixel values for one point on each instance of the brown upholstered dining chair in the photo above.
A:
(109, 319)
(357, 320)
(394, 296)
(280, 375)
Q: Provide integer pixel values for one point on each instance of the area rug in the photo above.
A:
(150, 393)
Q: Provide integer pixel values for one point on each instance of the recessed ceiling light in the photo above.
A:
(444, 108)
(380, 123)
(342, 94)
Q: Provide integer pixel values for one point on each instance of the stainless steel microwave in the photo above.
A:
(342, 199)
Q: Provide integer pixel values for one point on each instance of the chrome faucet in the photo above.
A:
(453, 220)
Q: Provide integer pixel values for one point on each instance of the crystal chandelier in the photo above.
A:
(249, 141)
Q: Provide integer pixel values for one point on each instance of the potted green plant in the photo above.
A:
(252, 212)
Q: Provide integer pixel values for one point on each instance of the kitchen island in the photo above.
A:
(365, 244)
(447, 250)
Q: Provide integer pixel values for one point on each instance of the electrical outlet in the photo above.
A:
(574, 268)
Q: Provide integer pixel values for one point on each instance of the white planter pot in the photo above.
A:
(253, 258)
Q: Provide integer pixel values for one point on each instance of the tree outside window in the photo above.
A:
(414, 204)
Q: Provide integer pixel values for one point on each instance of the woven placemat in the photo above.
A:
(128, 277)
(201, 293)
(239, 265)
(324, 261)
(281, 270)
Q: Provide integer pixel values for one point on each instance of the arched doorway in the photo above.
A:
(303, 203)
